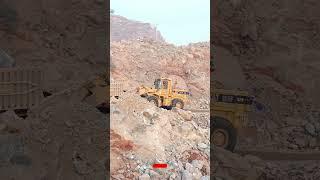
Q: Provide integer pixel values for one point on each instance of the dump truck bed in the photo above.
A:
(20, 88)
(116, 88)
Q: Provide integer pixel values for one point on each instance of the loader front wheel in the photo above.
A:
(223, 134)
(177, 104)
(154, 100)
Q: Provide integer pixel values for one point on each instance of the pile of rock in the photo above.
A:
(157, 135)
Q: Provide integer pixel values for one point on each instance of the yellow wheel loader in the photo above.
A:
(164, 94)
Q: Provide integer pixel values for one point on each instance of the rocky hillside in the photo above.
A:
(282, 47)
(277, 61)
(273, 45)
(60, 37)
(125, 29)
(140, 62)
(143, 134)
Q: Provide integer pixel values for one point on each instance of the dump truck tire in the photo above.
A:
(223, 134)
(154, 100)
(177, 103)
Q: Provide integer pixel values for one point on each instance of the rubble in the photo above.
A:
(186, 115)
(231, 166)
(164, 140)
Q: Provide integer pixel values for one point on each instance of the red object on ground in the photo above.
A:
(160, 165)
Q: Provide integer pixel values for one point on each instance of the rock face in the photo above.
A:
(229, 74)
(283, 47)
(125, 29)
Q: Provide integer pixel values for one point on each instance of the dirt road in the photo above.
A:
(198, 110)
(282, 155)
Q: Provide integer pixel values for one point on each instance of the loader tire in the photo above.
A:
(223, 134)
(177, 103)
(154, 100)
(22, 113)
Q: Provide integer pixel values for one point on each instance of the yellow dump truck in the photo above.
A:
(229, 116)
(163, 94)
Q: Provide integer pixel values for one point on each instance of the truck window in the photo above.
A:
(165, 85)
(157, 84)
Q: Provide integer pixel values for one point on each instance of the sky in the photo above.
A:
(180, 21)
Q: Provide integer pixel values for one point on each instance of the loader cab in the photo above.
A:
(163, 86)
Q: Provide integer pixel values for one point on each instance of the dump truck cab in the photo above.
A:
(229, 118)
(163, 94)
